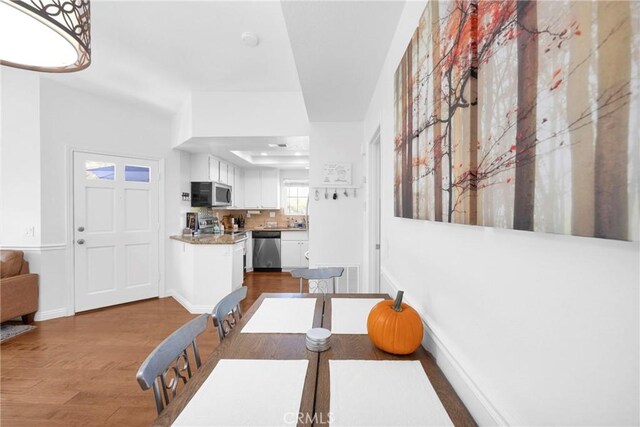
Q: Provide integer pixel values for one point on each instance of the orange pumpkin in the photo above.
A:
(394, 326)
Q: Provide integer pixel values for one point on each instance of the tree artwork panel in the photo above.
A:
(523, 115)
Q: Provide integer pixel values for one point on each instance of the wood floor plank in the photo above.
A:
(80, 370)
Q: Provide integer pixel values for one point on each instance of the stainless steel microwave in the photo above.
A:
(207, 193)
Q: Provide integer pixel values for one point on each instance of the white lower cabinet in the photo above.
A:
(294, 244)
(249, 251)
(237, 270)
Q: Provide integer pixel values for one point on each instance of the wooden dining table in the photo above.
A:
(286, 346)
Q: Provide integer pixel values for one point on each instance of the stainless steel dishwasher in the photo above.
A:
(266, 251)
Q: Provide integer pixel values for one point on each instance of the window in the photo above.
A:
(100, 171)
(297, 196)
(136, 173)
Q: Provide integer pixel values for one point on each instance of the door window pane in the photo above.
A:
(100, 171)
(136, 173)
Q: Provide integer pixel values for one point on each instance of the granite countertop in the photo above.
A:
(272, 229)
(211, 239)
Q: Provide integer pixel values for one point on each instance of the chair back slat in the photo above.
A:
(319, 274)
(227, 312)
(171, 357)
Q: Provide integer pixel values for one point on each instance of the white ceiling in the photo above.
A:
(339, 48)
(159, 51)
(248, 151)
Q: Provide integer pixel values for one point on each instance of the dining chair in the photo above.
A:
(320, 276)
(168, 363)
(227, 313)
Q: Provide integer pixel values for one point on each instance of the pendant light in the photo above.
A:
(45, 35)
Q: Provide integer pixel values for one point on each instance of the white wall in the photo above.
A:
(20, 159)
(531, 328)
(336, 229)
(49, 119)
(248, 114)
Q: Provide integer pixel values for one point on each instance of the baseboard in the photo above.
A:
(191, 308)
(482, 410)
(38, 248)
(51, 314)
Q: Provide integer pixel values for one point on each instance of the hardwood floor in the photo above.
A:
(81, 370)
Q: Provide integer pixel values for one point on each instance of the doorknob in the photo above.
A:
(81, 241)
(81, 228)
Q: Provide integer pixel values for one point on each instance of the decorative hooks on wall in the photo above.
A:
(334, 192)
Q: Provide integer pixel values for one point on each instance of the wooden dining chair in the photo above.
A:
(320, 276)
(168, 363)
(227, 313)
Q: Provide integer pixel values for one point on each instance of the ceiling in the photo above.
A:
(158, 52)
(339, 47)
(255, 151)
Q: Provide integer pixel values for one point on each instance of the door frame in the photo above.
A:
(374, 211)
(69, 214)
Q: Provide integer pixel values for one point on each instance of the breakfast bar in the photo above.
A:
(208, 267)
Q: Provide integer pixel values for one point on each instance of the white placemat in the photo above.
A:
(282, 315)
(248, 393)
(383, 393)
(349, 315)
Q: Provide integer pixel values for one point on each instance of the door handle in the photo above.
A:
(81, 229)
(81, 241)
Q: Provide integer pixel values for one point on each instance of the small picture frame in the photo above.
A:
(191, 220)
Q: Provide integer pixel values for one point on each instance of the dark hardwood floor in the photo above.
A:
(80, 370)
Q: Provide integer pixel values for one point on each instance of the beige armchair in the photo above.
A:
(18, 287)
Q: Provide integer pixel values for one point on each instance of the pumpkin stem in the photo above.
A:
(397, 305)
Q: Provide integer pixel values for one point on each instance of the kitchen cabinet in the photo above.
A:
(238, 187)
(249, 251)
(262, 188)
(270, 188)
(293, 246)
(223, 176)
(205, 273)
(214, 169)
(200, 167)
(252, 188)
(237, 269)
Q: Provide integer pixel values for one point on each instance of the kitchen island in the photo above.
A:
(208, 267)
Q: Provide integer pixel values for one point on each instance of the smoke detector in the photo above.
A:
(249, 39)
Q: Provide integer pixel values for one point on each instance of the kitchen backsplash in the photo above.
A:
(254, 220)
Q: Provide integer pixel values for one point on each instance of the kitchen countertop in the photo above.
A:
(272, 229)
(211, 239)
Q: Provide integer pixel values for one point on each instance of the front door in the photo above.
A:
(116, 226)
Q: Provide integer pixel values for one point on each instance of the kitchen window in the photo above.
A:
(297, 197)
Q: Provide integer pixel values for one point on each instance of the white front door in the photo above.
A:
(116, 226)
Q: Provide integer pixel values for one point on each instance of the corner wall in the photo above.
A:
(530, 328)
(335, 226)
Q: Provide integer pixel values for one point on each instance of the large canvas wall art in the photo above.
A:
(522, 115)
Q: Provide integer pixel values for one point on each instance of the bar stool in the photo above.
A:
(321, 275)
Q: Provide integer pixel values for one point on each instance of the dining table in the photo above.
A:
(316, 391)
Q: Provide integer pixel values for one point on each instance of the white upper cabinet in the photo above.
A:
(224, 173)
(270, 188)
(261, 188)
(200, 167)
(252, 188)
(214, 167)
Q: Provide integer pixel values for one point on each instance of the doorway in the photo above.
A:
(115, 228)
(374, 203)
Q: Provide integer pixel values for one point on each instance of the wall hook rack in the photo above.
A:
(334, 192)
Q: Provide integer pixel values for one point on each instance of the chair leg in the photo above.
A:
(28, 319)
